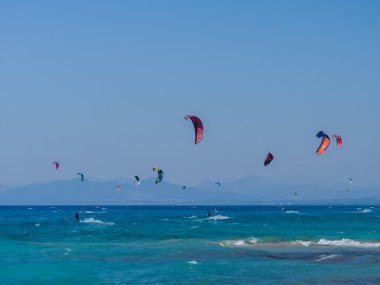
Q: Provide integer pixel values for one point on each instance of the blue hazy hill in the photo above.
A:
(248, 190)
(74, 192)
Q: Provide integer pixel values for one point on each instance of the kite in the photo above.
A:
(56, 164)
(269, 159)
(338, 139)
(160, 175)
(137, 180)
(198, 127)
(81, 176)
(324, 143)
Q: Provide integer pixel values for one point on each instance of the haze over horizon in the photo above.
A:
(103, 89)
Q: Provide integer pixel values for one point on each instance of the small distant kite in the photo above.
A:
(338, 139)
(218, 183)
(137, 180)
(198, 127)
(269, 159)
(324, 143)
(183, 187)
(160, 175)
(56, 164)
(81, 176)
(118, 188)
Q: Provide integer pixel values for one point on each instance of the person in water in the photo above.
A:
(209, 214)
(77, 217)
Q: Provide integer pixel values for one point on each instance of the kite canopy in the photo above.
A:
(269, 159)
(137, 180)
(338, 139)
(81, 176)
(160, 175)
(218, 183)
(198, 127)
(324, 143)
(56, 164)
(118, 188)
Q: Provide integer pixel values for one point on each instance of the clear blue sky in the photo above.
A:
(102, 87)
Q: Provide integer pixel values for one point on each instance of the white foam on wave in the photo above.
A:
(89, 212)
(301, 242)
(37, 225)
(327, 257)
(366, 211)
(192, 217)
(192, 262)
(338, 243)
(195, 227)
(67, 251)
(93, 221)
(239, 242)
(292, 212)
(252, 242)
(218, 217)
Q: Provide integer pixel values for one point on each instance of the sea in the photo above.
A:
(182, 245)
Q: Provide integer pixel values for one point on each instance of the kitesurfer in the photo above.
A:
(76, 216)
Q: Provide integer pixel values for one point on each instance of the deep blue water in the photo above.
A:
(180, 245)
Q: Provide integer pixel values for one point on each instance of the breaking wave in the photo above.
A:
(192, 217)
(366, 211)
(239, 242)
(219, 217)
(292, 212)
(327, 257)
(338, 243)
(99, 222)
(66, 251)
(252, 242)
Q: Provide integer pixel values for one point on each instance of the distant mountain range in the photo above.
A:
(245, 191)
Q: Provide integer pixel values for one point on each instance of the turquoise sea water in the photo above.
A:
(180, 245)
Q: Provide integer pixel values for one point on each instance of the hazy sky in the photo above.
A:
(102, 87)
